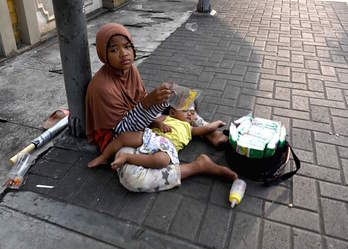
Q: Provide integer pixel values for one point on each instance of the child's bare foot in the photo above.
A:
(209, 167)
(217, 138)
(96, 162)
(119, 161)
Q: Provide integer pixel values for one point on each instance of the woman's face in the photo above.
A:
(120, 53)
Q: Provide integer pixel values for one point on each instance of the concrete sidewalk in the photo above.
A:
(284, 60)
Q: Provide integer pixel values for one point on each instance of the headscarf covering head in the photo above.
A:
(112, 92)
(105, 33)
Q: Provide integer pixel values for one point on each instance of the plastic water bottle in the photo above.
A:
(237, 192)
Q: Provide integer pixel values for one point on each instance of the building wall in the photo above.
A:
(24, 22)
(45, 15)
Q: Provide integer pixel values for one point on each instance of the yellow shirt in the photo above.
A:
(180, 135)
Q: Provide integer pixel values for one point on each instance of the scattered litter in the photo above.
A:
(212, 12)
(57, 71)
(337, 135)
(330, 133)
(138, 6)
(43, 138)
(17, 173)
(290, 205)
(192, 26)
(44, 186)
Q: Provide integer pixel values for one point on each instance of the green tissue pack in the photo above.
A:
(256, 137)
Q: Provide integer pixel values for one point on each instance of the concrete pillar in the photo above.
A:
(7, 38)
(203, 6)
(27, 21)
(74, 53)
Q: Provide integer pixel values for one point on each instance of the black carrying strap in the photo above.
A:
(286, 175)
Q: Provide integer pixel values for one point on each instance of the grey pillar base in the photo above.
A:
(74, 53)
(203, 6)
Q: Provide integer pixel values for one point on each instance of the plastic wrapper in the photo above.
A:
(18, 171)
(182, 97)
(256, 137)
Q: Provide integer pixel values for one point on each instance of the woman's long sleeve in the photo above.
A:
(139, 118)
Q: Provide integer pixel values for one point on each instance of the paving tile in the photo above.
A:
(55, 170)
(340, 125)
(246, 101)
(334, 94)
(239, 69)
(231, 92)
(206, 76)
(305, 239)
(276, 236)
(188, 218)
(312, 64)
(320, 114)
(335, 218)
(252, 77)
(315, 85)
(305, 193)
(345, 169)
(269, 64)
(282, 70)
(246, 231)
(217, 84)
(305, 93)
(282, 93)
(272, 102)
(302, 139)
(326, 70)
(266, 85)
(36, 233)
(263, 111)
(320, 173)
(163, 211)
(298, 77)
(334, 191)
(61, 155)
(136, 213)
(274, 193)
(194, 189)
(314, 126)
(327, 155)
(215, 228)
(292, 216)
(300, 103)
(331, 139)
(336, 244)
(343, 152)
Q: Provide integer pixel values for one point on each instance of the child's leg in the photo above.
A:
(126, 139)
(157, 160)
(216, 138)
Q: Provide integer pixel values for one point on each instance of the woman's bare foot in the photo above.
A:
(97, 161)
(217, 138)
(207, 166)
(119, 161)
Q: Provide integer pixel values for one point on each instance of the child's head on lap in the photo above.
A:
(183, 115)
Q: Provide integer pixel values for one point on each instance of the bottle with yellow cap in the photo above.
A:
(237, 192)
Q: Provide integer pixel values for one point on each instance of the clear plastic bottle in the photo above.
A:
(237, 192)
(16, 174)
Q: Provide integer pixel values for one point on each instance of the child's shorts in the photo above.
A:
(153, 143)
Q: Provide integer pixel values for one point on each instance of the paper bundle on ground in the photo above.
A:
(256, 137)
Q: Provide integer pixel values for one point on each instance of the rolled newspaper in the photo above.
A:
(42, 139)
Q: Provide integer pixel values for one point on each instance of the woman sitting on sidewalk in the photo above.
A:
(116, 102)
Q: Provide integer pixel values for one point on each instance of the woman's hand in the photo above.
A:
(157, 96)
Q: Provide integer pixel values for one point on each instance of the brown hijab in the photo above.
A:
(111, 92)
